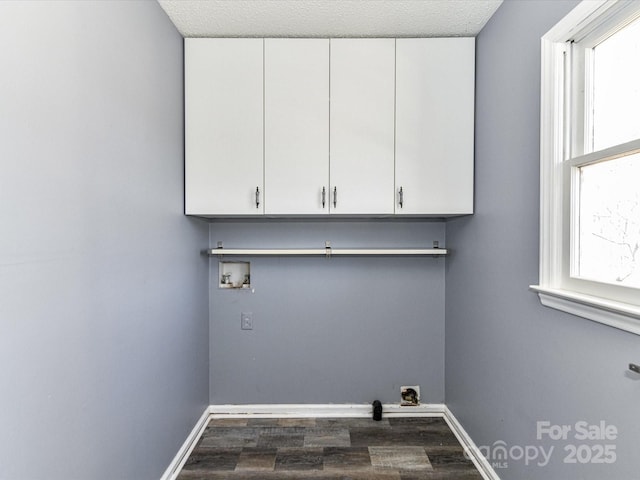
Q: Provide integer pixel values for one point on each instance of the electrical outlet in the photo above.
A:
(246, 321)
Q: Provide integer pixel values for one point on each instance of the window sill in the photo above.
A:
(614, 314)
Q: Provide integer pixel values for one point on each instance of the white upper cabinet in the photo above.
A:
(370, 127)
(362, 126)
(224, 126)
(296, 145)
(435, 79)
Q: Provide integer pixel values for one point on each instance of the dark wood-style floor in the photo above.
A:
(328, 449)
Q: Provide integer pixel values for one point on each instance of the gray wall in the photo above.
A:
(103, 292)
(338, 330)
(510, 362)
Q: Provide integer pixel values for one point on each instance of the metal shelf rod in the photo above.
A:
(328, 251)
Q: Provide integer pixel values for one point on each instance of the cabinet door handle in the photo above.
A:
(257, 197)
(335, 197)
(324, 196)
(401, 197)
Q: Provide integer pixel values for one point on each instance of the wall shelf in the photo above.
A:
(327, 251)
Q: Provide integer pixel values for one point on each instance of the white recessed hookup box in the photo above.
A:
(234, 275)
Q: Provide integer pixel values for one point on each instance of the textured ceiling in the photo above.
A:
(329, 18)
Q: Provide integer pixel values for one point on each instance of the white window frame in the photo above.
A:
(556, 289)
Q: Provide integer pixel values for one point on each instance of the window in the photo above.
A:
(590, 164)
(608, 237)
(615, 92)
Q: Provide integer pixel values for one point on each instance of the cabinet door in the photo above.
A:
(224, 126)
(434, 125)
(362, 126)
(296, 88)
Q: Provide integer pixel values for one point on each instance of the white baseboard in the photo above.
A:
(476, 456)
(329, 410)
(326, 410)
(189, 444)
